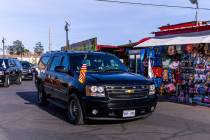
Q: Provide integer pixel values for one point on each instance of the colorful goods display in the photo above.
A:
(181, 72)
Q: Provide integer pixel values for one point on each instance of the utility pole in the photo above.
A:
(197, 7)
(50, 42)
(67, 36)
(22, 51)
(3, 41)
(196, 16)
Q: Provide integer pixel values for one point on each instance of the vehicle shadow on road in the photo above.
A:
(30, 98)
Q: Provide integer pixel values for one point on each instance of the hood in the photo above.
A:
(116, 78)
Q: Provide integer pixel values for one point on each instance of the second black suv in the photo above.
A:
(10, 71)
(93, 85)
(27, 70)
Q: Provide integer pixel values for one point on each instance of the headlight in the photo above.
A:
(151, 89)
(95, 91)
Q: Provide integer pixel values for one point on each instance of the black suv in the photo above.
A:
(10, 71)
(27, 70)
(106, 90)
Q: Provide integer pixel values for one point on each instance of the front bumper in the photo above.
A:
(113, 109)
(27, 75)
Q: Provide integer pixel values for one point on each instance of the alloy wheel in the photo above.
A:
(73, 109)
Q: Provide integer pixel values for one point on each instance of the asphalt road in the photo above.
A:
(22, 119)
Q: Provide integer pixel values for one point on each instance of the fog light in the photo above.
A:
(152, 108)
(142, 111)
(94, 112)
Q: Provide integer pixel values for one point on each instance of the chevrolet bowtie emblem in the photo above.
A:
(130, 91)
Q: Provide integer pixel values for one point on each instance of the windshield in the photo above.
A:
(96, 62)
(3, 63)
(25, 65)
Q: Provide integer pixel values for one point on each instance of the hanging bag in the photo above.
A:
(171, 50)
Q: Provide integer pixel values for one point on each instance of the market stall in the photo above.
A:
(179, 65)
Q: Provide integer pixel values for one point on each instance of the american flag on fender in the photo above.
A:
(82, 75)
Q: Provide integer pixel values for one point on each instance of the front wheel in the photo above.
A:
(74, 111)
(7, 81)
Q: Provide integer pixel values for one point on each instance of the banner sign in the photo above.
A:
(87, 45)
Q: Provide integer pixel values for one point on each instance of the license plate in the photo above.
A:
(129, 113)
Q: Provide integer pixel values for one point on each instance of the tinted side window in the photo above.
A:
(43, 62)
(55, 62)
(65, 62)
(12, 63)
(17, 63)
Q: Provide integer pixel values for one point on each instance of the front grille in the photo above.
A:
(127, 92)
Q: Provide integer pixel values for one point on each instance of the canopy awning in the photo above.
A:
(192, 38)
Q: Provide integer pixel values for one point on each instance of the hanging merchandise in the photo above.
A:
(207, 49)
(170, 75)
(150, 72)
(174, 65)
(170, 88)
(157, 62)
(158, 51)
(189, 48)
(157, 71)
(206, 100)
(158, 82)
(171, 50)
(165, 75)
(166, 63)
(179, 49)
(142, 54)
(152, 53)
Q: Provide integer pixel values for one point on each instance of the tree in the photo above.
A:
(16, 48)
(39, 48)
(11, 50)
(26, 51)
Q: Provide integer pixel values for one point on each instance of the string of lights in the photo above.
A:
(154, 5)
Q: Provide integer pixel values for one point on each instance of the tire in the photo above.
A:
(19, 80)
(7, 81)
(41, 96)
(74, 111)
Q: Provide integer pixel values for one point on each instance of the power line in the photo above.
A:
(155, 5)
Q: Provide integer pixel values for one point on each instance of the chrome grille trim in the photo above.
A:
(119, 92)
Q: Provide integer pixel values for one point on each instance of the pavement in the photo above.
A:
(22, 119)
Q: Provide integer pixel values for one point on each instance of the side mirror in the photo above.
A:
(61, 69)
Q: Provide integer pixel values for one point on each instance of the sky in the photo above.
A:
(113, 24)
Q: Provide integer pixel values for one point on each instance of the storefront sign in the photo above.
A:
(87, 45)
